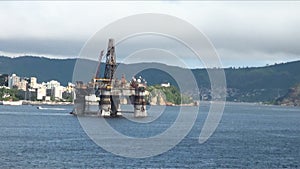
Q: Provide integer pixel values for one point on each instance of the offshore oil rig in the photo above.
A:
(109, 90)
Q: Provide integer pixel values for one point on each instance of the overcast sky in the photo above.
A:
(243, 33)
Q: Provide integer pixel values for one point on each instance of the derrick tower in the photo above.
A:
(110, 65)
(109, 104)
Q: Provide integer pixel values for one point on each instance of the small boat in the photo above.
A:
(39, 107)
(49, 108)
(11, 103)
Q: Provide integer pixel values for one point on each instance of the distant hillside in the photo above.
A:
(262, 84)
(276, 76)
(291, 98)
(43, 68)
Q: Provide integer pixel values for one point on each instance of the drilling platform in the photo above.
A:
(109, 90)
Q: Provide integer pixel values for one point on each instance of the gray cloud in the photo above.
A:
(244, 33)
(63, 48)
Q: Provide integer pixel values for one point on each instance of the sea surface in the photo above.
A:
(248, 136)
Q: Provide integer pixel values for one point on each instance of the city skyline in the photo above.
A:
(33, 90)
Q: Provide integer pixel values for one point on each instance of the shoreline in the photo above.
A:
(36, 103)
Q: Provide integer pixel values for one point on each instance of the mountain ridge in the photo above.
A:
(249, 84)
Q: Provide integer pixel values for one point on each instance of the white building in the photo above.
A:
(33, 82)
(13, 80)
(58, 91)
(70, 87)
(41, 92)
(23, 85)
(52, 84)
(165, 84)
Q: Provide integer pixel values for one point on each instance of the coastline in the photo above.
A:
(26, 102)
(37, 103)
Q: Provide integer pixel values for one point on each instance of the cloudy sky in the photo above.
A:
(243, 33)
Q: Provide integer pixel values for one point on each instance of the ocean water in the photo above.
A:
(248, 136)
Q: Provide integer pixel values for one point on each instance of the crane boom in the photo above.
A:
(111, 65)
(99, 64)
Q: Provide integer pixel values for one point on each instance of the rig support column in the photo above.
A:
(109, 104)
(115, 105)
(140, 102)
(105, 103)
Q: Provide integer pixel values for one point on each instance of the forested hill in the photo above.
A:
(245, 84)
(44, 69)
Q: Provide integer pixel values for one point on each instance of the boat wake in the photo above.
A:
(49, 108)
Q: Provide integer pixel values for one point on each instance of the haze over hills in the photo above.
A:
(258, 84)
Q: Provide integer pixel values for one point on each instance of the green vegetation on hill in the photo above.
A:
(9, 95)
(256, 84)
(262, 84)
(171, 94)
(278, 76)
